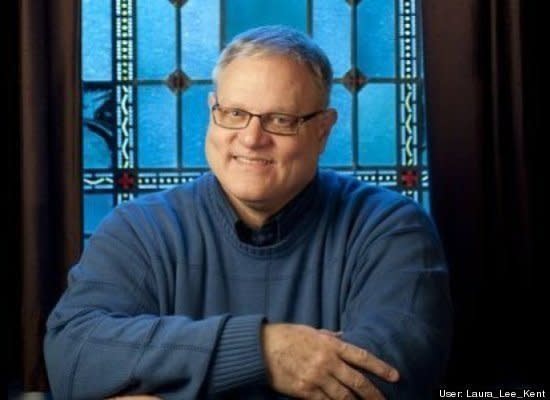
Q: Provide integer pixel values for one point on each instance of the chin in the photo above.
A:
(249, 196)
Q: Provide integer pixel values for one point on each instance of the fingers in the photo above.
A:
(363, 359)
(335, 389)
(357, 382)
(307, 363)
(318, 395)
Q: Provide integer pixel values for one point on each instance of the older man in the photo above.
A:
(265, 278)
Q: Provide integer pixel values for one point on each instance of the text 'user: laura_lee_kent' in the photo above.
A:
(500, 394)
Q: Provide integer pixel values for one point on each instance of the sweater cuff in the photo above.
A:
(238, 359)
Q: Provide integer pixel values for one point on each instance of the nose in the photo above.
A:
(254, 135)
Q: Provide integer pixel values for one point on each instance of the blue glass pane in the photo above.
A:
(97, 127)
(241, 15)
(200, 41)
(96, 206)
(96, 150)
(331, 30)
(426, 200)
(338, 150)
(96, 40)
(376, 38)
(156, 127)
(377, 125)
(156, 39)
(195, 114)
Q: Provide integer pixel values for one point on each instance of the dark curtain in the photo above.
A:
(13, 268)
(48, 225)
(483, 109)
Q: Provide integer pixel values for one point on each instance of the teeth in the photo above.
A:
(252, 160)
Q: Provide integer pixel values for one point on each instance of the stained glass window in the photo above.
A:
(146, 68)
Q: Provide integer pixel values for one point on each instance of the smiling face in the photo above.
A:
(261, 172)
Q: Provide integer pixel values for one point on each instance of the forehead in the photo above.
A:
(265, 81)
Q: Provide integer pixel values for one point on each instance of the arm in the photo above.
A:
(107, 335)
(399, 305)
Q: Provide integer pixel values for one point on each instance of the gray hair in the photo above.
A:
(279, 40)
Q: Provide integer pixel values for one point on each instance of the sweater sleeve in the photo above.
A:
(107, 335)
(399, 304)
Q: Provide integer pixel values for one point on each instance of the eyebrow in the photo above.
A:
(236, 104)
(244, 108)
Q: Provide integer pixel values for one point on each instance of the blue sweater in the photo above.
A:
(167, 299)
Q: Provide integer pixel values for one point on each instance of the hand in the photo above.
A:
(331, 333)
(308, 363)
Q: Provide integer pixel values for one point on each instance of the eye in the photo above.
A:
(282, 120)
(235, 113)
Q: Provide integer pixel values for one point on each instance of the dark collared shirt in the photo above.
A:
(279, 225)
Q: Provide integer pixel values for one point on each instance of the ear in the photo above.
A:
(328, 119)
(211, 99)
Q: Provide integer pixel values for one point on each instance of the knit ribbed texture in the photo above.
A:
(238, 360)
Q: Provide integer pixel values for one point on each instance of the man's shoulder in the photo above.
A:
(362, 202)
(369, 209)
(166, 210)
(179, 198)
(349, 188)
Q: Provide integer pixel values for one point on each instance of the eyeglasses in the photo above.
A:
(276, 123)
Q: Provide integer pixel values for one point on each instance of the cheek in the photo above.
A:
(208, 146)
(299, 161)
(305, 152)
(213, 152)
(215, 144)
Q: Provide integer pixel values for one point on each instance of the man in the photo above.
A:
(265, 278)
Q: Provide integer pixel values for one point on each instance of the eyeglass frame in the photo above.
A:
(301, 119)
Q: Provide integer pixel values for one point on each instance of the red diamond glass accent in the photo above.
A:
(126, 180)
